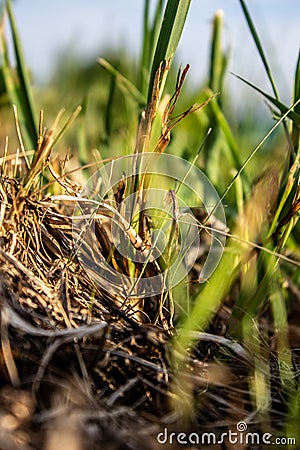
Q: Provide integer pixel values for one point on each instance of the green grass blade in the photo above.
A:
(22, 95)
(155, 29)
(169, 36)
(259, 46)
(297, 84)
(295, 116)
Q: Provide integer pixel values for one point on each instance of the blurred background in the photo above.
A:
(62, 40)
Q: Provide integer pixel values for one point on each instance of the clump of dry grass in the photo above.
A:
(58, 328)
(69, 349)
(85, 369)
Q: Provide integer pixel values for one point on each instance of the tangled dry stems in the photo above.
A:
(83, 368)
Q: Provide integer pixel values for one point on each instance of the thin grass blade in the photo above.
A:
(259, 46)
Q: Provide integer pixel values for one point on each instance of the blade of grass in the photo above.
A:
(150, 33)
(22, 93)
(68, 123)
(259, 384)
(280, 318)
(123, 83)
(169, 36)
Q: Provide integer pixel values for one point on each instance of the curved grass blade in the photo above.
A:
(169, 36)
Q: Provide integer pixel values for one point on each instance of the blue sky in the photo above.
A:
(87, 27)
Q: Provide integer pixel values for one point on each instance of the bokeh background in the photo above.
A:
(89, 29)
(62, 40)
